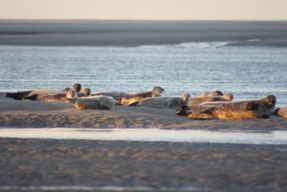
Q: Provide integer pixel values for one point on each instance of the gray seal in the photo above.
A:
(84, 93)
(164, 102)
(76, 87)
(209, 94)
(200, 100)
(51, 95)
(113, 94)
(132, 99)
(257, 109)
(93, 102)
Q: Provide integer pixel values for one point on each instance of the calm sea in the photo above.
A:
(247, 72)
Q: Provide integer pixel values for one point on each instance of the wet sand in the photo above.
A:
(135, 33)
(150, 166)
(81, 165)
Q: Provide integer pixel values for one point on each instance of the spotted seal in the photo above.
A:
(84, 93)
(113, 94)
(20, 95)
(59, 96)
(256, 109)
(209, 94)
(93, 102)
(76, 87)
(213, 103)
(200, 100)
(130, 99)
(164, 102)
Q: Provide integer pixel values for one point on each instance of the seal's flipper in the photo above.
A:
(18, 95)
(181, 110)
(32, 97)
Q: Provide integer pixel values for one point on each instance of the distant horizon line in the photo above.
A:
(139, 20)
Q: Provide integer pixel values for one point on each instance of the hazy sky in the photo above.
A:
(145, 9)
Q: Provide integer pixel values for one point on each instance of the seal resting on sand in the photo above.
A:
(164, 102)
(76, 87)
(94, 102)
(113, 94)
(213, 103)
(84, 93)
(52, 96)
(130, 99)
(200, 100)
(20, 95)
(209, 94)
(258, 109)
(37, 94)
(281, 112)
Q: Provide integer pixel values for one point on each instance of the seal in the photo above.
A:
(84, 93)
(200, 100)
(130, 99)
(215, 103)
(281, 112)
(51, 95)
(20, 95)
(93, 102)
(76, 87)
(209, 94)
(195, 111)
(257, 109)
(164, 102)
(113, 94)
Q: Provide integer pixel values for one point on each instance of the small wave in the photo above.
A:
(202, 44)
(189, 45)
(153, 46)
(253, 40)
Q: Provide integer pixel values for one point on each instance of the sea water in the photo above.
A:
(247, 72)
(152, 135)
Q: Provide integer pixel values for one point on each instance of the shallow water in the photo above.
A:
(247, 72)
(193, 136)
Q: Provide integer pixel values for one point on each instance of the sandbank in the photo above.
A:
(15, 113)
(91, 165)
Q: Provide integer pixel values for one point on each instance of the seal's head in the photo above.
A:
(217, 93)
(66, 89)
(185, 97)
(87, 91)
(228, 96)
(71, 94)
(77, 87)
(270, 101)
(157, 91)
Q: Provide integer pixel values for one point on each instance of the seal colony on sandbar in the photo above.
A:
(209, 105)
